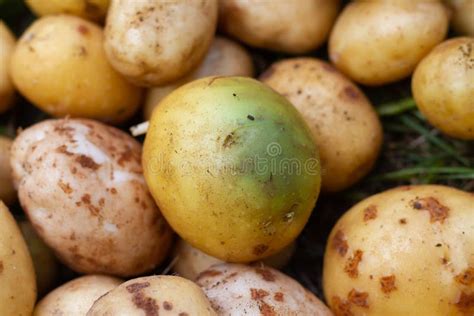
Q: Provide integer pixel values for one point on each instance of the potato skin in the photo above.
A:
(296, 26)
(7, 189)
(94, 10)
(370, 40)
(76, 297)
(405, 251)
(80, 182)
(7, 90)
(170, 295)
(462, 16)
(345, 126)
(17, 275)
(59, 64)
(153, 43)
(443, 87)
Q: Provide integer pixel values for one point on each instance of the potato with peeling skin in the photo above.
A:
(81, 184)
(235, 289)
(94, 10)
(406, 251)
(7, 90)
(165, 295)
(156, 42)
(76, 297)
(343, 122)
(7, 189)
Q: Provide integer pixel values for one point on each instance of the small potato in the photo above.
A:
(170, 295)
(378, 42)
(156, 42)
(59, 64)
(462, 16)
(17, 275)
(344, 124)
(235, 289)
(7, 90)
(76, 297)
(7, 190)
(81, 184)
(94, 10)
(296, 26)
(406, 251)
(224, 58)
(443, 87)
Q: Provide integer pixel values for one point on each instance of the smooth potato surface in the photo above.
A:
(94, 10)
(462, 16)
(7, 90)
(7, 189)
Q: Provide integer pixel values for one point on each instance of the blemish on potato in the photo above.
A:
(87, 162)
(147, 304)
(351, 92)
(260, 249)
(402, 221)
(229, 140)
(466, 277)
(279, 297)
(63, 150)
(65, 187)
(84, 30)
(1, 267)
(358, 298)
(465, 302)
(167, 305)
(266, 274)
(339, 243)
(183, 314)
(341, 307)
(258, 294)
(438, 212)
(387, 284)
(370, 212)
(265, 309)
(352, 264)
(208, 273)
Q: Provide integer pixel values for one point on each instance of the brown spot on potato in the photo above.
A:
(339, 243)
(258, 294)
(266, 274)
(65, 187)
(279, 297)
(135, 287)
(229, 140)
(352, 264)
(260, 249)
(387, 284)
(438, 212)
(183, 314)
(351, 92)
(167, 305)
(84, 30)
(1, 267)
(402, 221)
(125, 157)
(147, 304)
(87, 162)
(466, 277)
(370, 212)
(465, 303)
(208, 273)
(341, 307)
(113, 191)
(265, 309)
(358, 298)
(63, 150)
(86, 198)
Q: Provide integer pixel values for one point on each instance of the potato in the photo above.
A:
(443, 87)
(344, 124)
(191, 261)
(295, 27)
(7, 190)
(76, 297)
(235, 289)
(232, 166)
(59, 65)
(170, 295)
(406, 251)
(94, 10)
(17, 276)
(7, 90)
(378, 42)
(81, 184)
(224, 58)
(156, 42)
(462, 16)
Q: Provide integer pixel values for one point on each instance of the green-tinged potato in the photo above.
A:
(443, 87)
(296, 26)
(156, 42)
(233, 167)
(165, 295)
(378, 42)
(224, 58)
(94, 10)
(44, 261)
(59, 64)
(462, 18)
(76, 297)
(344, 124)
(81, 184)
(235, 289)
(191, 261)
(406, 251)
(17, 275)
(7, 190)
(7, 90)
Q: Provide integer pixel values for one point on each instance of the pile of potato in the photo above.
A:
(231, 165)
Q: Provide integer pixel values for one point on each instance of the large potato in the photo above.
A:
(296, 26)
(7, 90)
(233, 167)
(17, 276)
(75, 297)
(81, 184)
(344, 124)
(407, 251)
(165, 295)
(94, 10)
(156, 42)
(377, 42)
(59, 64)
(443, 87)
(224, 58)
(462, 16)
(7, 190)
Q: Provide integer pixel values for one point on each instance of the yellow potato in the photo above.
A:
(7, 190)
(296, 26)
(94, 10)
(443, 87)
(59, 64)
(462, 16)
(344, 124)
(407, 251)
(377, 42)
(17, 275)
(7, 90)
(224, 58)
(156, 42)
